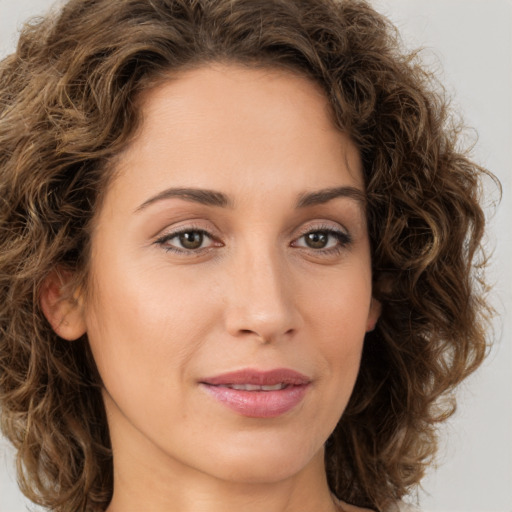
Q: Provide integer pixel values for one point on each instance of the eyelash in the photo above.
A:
(343, 238)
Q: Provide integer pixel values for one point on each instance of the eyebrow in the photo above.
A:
(195, 195)
(328, 194)
(221, 200)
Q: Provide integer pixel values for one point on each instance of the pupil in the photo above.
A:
(317, 240)
(191, 240)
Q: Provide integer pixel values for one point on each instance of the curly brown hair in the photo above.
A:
(68, 107)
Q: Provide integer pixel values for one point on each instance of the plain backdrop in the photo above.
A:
(469, 42)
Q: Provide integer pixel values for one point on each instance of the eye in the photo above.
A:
(324, 240)
(187, 240)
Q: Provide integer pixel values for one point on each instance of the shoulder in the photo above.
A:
(401, 506)
(398, 507)
(345, 507)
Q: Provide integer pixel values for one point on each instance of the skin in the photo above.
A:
(255, 294)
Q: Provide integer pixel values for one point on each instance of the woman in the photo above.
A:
(238, 242)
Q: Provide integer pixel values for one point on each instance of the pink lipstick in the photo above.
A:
(258, 394)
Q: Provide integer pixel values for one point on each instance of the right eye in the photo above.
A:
(188, 240)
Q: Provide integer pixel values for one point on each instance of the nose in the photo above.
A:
(260, 297)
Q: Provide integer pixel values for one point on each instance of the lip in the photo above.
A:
(258, 403)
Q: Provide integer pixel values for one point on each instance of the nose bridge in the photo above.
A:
(261, 295)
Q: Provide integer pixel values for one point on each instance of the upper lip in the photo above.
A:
(259, 377)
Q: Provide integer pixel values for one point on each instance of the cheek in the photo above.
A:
(143, 330)
(340, 302)
(338, 315)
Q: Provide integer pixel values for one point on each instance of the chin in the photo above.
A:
(265, 462)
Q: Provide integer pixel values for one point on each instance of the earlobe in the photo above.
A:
(373, 314)
(63, 311)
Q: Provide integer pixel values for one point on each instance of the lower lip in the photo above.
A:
(258, 404)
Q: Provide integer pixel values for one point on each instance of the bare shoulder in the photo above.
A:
(345, 507)
(400, 507)
(404, 507)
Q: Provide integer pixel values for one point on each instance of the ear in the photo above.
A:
(63, 311)
(373, 314)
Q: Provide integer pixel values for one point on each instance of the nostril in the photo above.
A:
(263, 338)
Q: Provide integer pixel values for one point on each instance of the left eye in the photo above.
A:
(187, 240)
(323, 239)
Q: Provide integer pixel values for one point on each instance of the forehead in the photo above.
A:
(238, 129)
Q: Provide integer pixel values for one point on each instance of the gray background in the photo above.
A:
(470, 42)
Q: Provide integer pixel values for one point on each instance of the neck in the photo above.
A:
(149, 480)
(139, 487)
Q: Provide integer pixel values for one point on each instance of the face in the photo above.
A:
(231, 277)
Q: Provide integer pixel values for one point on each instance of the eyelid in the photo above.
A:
(165, 236)
(343, 236)
(322, 225)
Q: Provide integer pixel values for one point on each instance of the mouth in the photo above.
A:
(254, 387)
(258, 394)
